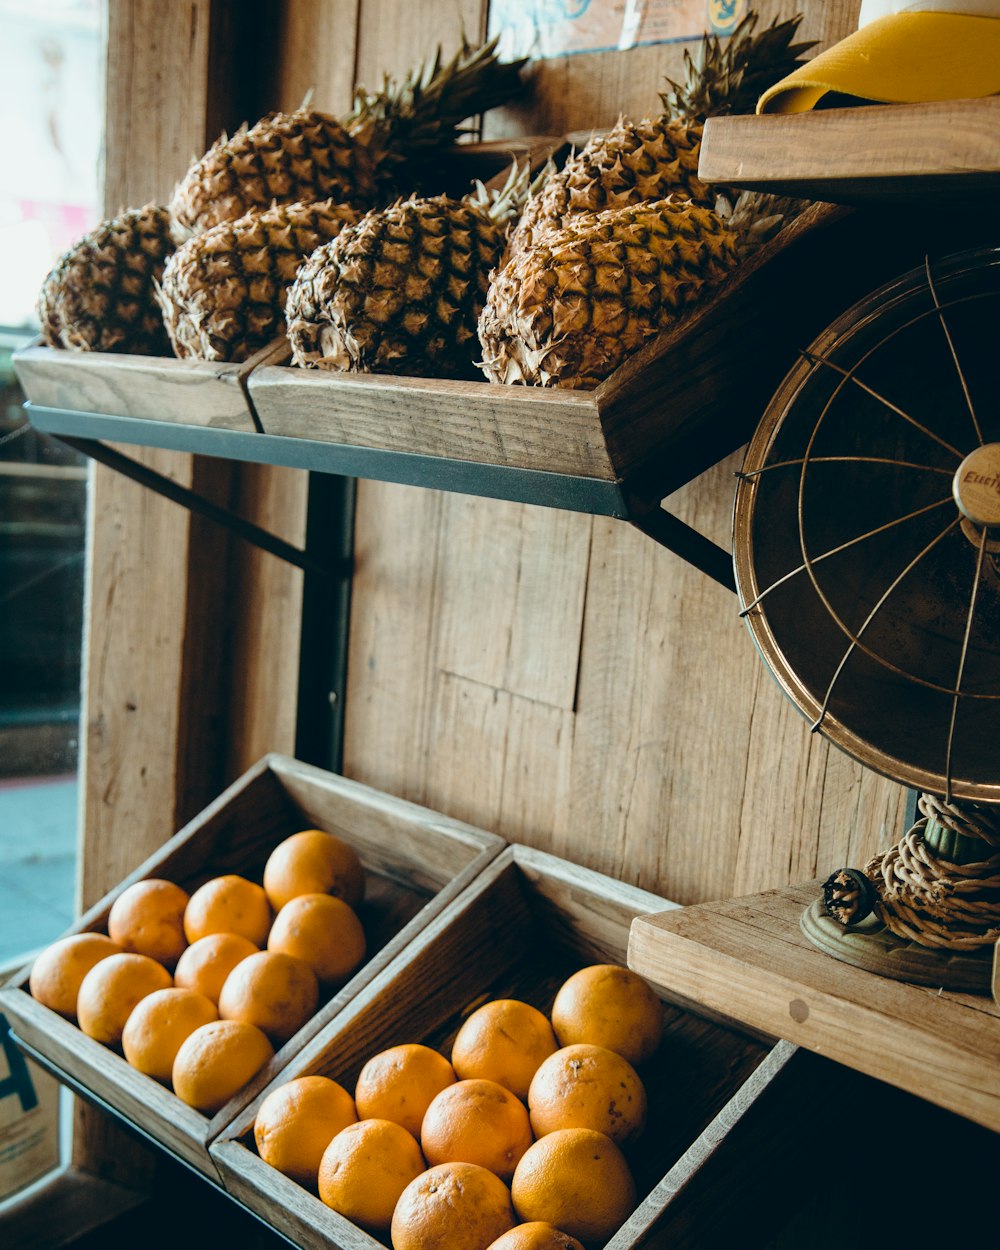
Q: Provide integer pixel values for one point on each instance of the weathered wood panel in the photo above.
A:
(163, 623)
(677, 763)
(750, 956)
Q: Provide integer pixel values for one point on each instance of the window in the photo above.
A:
(50, 68)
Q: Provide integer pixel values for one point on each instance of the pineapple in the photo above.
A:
(658, 156)
(402, 289)
(570, 308)
(305, 155)
(223, 292)
(99, 297)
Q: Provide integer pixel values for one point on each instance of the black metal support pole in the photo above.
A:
(326, 600)
(197, 503)
(679, 537)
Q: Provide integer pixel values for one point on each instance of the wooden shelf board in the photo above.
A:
(748, 959)
(861, 155)
(62, 1208)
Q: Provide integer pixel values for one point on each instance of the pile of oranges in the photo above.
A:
(517, 1142)
(199, 990)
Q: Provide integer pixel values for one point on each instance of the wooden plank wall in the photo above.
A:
(558, 678)
(191, 663)
(554, 677)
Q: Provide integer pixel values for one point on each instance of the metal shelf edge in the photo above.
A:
(519, 485)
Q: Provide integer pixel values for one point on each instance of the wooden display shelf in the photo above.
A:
(748, 960)
(940, 151)
(688, 399)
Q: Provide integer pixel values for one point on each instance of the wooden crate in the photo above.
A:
(416, 863)
(156, 388)
(525, 924)
(690, 396)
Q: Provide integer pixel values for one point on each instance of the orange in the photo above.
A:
(110, 991)
(148, 918)
(278, 993)
(365, 1169)
(297, 1121)
(216, 1060)
(322, 930)
(229, 904)
(158, 1025)
(588, 1087)
(314, 862)
(611, 1006)
(57, 972)
(476, 1122)
(398, 1084)
(536, 1235)
(205, 964)
(504, 1041)
(577, 1180)
(454, 1206)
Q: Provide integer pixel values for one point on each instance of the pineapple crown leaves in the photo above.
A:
(755, 217)
(402, 122)
(729, 78)
(505, 202)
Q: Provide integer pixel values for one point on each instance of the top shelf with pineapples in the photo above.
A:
(590, 340)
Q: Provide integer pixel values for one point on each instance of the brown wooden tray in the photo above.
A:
(526, 922)
(416, 863)
(749, 959)
(689, 397)
(157, 388)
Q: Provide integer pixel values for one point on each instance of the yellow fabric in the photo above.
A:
(905, 58)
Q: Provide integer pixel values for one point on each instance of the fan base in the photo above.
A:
(870, 945)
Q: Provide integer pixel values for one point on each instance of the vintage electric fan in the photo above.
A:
(867, 552)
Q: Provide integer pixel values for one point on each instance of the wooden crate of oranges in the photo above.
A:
(502, 1072)
(185, 990)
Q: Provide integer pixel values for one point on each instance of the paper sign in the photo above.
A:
(549, 28)
(29, 1119)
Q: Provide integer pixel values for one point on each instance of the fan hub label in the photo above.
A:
(976, 486)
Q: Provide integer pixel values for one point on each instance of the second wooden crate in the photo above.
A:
(416, 862)
(518, 931)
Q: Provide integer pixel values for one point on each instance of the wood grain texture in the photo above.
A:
(945, 151)
(590, 91)
(749, 958)
(264, 595)
(678, 764)
(195, 392)
(526, 428)
(316, 49)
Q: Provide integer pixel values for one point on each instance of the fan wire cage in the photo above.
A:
(867, 553)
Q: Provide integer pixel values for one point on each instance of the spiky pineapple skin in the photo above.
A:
(390, 136)
(658, 156)
(398, 292)
(632, 162)
(571, 308)
(223, 292)
(100, 295)
(286, 158)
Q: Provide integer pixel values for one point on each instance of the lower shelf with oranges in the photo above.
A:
(203, 930)
(522, 930)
